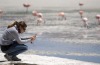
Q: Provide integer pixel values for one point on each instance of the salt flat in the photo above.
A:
(45, 60)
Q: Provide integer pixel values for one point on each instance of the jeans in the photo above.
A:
(14, 49)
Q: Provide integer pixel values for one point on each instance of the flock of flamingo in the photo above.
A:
(85, 19)
(39, 16)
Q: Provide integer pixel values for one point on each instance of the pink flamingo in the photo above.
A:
(40, 18)
(35, 13)
(62, 16)
(81, 4)
(1, 12)
(98, 18)
(81, 13)
(26, 5)
(40, 15)
(85, 19)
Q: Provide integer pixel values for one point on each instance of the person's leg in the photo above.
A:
(15, 49)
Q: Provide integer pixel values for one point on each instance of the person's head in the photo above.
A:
(21, 26)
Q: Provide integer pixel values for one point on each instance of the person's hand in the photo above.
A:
(33, 38)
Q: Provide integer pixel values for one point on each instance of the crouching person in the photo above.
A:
(11, 43)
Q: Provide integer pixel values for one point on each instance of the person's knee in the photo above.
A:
(22, 47)
(25, 47)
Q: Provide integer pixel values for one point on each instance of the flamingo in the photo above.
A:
(98, 18)
(81, 13)
(1, 12)
(40, 15)
(81, 4)
(34, 13)
(62, 16)
(39, 20)
(26, 5)
(85, 19)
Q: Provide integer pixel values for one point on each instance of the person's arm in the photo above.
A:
(16, 36)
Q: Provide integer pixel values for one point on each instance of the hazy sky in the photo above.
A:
(51, 3)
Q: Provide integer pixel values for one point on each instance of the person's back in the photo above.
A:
(7, 37)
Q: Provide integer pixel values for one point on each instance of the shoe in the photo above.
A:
(11, 58)
(14, 58)
(8, 57)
